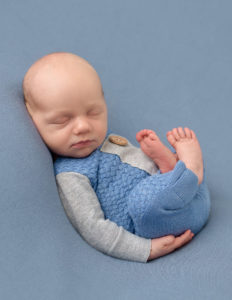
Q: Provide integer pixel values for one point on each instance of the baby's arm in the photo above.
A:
(84, 211)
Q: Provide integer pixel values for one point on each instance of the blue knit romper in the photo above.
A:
(148, 205)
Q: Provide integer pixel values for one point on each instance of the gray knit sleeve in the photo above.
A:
(84, 212)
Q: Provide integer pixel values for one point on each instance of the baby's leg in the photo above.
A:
(169, 203)
(188, 149)
(156, 150)
(176, 201)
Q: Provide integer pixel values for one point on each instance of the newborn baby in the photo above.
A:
(150, 191)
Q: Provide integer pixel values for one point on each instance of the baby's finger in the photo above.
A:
(183, 239)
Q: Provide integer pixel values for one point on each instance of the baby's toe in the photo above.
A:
(176, 134)
(142, 134)
(139, 135)
(153, 136)
(171, 139)
(193, 134)
(188, 132)
(181, 132)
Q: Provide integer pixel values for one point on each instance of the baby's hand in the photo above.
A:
(167, 244)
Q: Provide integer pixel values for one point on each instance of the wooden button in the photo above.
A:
(118, 140)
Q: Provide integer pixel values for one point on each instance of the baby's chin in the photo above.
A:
(81, 153)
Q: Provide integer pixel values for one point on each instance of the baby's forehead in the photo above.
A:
(58, 65)
(44, 67)
(57, 61)
(50, 72)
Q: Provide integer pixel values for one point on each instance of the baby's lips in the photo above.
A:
(81, 144)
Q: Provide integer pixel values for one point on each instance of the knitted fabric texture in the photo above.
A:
(144, 204)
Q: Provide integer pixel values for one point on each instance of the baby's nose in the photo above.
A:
(81, 125)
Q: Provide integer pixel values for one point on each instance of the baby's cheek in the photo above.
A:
(56, 141)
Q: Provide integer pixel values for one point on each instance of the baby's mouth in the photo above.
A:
(82, 144)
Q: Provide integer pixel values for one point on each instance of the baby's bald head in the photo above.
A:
(63, 95)
(47, 74)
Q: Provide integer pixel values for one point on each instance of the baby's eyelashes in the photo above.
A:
(94, 112)
(60, 121)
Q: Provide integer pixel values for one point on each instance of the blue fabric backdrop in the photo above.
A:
(163, 64)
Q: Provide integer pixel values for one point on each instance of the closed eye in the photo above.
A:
(60, 121)
(94, 112)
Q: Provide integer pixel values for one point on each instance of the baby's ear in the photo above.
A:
(28, 107)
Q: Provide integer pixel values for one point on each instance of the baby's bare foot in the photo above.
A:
(156, 150)
(188, 149)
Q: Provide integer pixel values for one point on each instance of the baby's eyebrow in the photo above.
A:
(56, 114)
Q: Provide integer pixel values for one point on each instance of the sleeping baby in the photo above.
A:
(128, 202)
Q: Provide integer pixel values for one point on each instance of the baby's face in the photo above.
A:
(69, 109)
